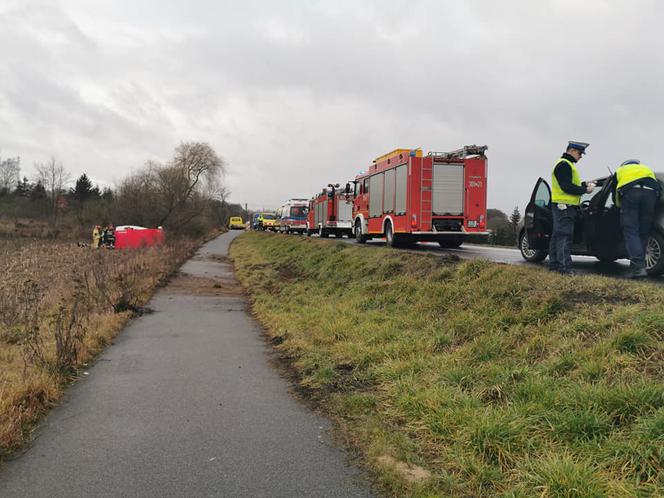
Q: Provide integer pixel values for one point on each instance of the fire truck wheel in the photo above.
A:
(450, 243)
(323, 234)
(359, 236)
(390, 237)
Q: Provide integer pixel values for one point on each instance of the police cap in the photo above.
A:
(581, 146)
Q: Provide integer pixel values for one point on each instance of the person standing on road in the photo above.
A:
(566, 191)
(637, 191)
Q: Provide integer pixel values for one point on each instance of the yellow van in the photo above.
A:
(267, 221)
(236, 222)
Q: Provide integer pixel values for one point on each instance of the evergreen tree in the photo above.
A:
(38, 192)
(23, 188)
(515, 218)
(107, 194)
(84, 190)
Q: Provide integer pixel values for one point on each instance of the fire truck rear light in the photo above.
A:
(413, 221)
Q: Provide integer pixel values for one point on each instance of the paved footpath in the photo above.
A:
(185, 404)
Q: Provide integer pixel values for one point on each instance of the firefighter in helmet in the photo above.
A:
(110, 236)
(96, 236)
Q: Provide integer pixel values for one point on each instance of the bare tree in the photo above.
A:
(181, 195)
(54, 177)
(10, 172)
(138, 197)
(193, 174)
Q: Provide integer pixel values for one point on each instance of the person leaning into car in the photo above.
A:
(638, 191)
(566, 191)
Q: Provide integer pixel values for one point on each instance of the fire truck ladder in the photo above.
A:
(467, 150)
(426, 195)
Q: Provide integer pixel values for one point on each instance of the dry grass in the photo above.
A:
(470, 379)
(60, 304)
(25, 228)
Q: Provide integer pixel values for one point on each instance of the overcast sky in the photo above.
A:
(296, 94)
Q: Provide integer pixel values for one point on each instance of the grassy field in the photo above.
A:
(470, 379)
(59, 305)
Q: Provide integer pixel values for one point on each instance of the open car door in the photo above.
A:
(538, 219)
(603, 233)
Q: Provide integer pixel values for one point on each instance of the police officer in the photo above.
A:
(638, 191)
(566, 191)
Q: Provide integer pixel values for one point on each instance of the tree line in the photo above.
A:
(185, 195)
(502, 228)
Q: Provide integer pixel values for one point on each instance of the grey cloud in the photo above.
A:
(297, 94)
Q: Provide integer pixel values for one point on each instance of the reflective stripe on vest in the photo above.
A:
(558, 195)
(631, 173)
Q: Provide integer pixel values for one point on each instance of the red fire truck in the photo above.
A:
(407, 197)
(331, 212)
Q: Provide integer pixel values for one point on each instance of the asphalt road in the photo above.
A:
(185, 404)
(581, 264)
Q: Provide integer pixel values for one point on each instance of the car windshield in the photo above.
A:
(298, 211)
(268, 216)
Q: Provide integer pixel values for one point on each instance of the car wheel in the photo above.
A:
(528, 253)
(359, 236)
(655, 254)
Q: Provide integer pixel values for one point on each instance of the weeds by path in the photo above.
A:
(470, 379)
(59, 305)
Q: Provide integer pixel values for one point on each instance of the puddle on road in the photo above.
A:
(184, 283)
(214, 258)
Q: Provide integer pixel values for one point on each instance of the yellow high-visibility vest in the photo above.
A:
(631, 173)
(558, 195)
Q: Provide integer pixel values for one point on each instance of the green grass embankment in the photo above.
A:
(470, 379)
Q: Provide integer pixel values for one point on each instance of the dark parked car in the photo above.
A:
(597, 231)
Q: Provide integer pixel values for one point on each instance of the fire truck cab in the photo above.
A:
(407, 197)
(331, 212)
(292, 216)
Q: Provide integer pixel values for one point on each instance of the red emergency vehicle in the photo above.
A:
(292, 216)
(331, 212)
(407, 197)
